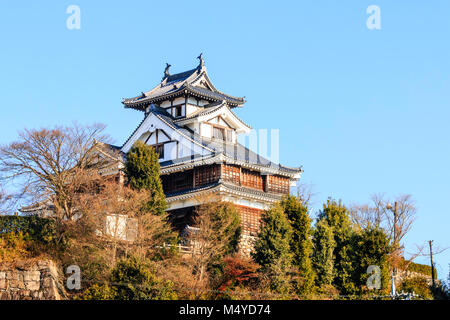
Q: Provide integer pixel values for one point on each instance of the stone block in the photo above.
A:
(16, 284)
(48, 282)
(5, 295)
(31, 276)
(3, 284)
(18, 276)
(32, 285)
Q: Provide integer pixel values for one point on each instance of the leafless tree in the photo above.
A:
(6, 202)
(396, 216)
(53, 164)
(364, 216)
(305, 193)
(123, 221)
(381, 213)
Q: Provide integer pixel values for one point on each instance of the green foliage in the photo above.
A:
(227, 214)
(272, 247)
(337, 217)
(98, 292)
(143, 172)
(14, 245)
(273, 242)
(421, 268)
(300, 241)
(134, 280)
(417, 285)
(324, 245)
(370, 247)
(38, 229)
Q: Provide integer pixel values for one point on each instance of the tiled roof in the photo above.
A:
(177, 84)
(234, 151)
(229, 187)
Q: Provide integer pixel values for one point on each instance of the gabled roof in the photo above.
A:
(219, 150)
(166, 118)
(196, 82)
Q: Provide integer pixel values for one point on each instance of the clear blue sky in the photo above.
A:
(363, 111)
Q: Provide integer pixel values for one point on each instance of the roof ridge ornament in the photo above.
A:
(201, 63)
(166, 71)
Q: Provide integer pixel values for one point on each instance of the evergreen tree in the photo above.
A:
(337, 217)
(371, 247)
(324, 245)
(143, 172)
(272, 248)
(300, 242)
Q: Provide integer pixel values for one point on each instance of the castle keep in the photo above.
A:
(192, 126)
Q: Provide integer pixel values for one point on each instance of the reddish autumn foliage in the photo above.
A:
(238, 272)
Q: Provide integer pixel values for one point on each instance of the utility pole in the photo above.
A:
(432, 265)
(394, 271)
(395, 224)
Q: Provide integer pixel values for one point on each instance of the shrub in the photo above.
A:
(14, 246)
(98, 292)
(421, 268)
(417, 285)
(238, 274)
(38, 229)
(134, 280)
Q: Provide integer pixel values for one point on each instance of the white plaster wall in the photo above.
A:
(190, 109)
(165, 104)
(243, 202)
(170, 151)
(179, 100)
(205, 130)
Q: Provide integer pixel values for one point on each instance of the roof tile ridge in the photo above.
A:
(135, 130)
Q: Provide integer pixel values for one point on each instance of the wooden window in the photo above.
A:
(178, 111)
(218, 133)
(231, 173)
(229, 135)
(206, 174)
(250, 220)
(252, 179)
(177, 181)
(278, 184)
(159, 149)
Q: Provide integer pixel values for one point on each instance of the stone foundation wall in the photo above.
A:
(246, 244)
(30, 280)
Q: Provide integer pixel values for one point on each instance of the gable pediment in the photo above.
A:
(180, 143)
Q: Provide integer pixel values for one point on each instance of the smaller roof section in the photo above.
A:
(194, 82)
(216, 109)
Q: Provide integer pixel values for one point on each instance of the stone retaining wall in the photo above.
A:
(30, 280)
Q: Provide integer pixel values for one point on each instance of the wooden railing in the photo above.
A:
(181, 248)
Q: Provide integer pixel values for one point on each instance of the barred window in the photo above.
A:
(218, 133)
(252, 179)
(278, 184)
(230, 173)
(206, 174)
